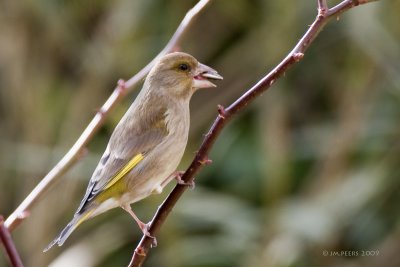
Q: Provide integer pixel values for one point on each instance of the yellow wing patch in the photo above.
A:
(127, 168)
(83, 218)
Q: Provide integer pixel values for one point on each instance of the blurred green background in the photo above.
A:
(310, 166)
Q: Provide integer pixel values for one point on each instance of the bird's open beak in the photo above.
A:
(203, 76)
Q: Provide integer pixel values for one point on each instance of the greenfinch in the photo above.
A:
(147, 144)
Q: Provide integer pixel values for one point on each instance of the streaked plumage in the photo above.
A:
(148, 143)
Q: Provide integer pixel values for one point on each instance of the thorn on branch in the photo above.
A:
(298, 56)
(23, 215)
(322, 12)
(207, 135)
(102, 112)
(221, 111)
(140, 251)
(121, 85)
(205, 161)
(271, 82)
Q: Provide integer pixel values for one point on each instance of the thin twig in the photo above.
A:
(9, 246)
(345, 5)
(119, 92)
(223, 118)
(322, 6)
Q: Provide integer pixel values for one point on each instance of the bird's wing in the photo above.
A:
(123, 154)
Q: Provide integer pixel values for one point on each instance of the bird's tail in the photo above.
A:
(67, 231)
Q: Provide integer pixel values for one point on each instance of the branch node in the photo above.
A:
(322, 12)
(222, 112)
(140, 251)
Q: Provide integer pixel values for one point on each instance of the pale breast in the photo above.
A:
(161, 162)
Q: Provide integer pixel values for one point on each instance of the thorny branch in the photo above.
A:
(74, 154)
(226, 114)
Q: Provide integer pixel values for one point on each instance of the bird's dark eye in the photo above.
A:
(183, 67)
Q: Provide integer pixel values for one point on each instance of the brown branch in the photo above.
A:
(225, 115)
(73, 155)
(322, 6)
(345, 5)
(9, 246)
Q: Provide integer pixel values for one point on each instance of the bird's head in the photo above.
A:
(179, 75)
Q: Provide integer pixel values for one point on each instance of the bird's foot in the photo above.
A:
(145, 229)
(178, 178)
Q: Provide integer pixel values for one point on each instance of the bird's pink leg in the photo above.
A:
(143, 226)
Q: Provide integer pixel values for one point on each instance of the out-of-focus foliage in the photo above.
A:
(311, 166)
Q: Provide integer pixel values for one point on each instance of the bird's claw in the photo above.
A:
(146, 232)
(179, 180)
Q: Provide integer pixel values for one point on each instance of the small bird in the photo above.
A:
(147, 144)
